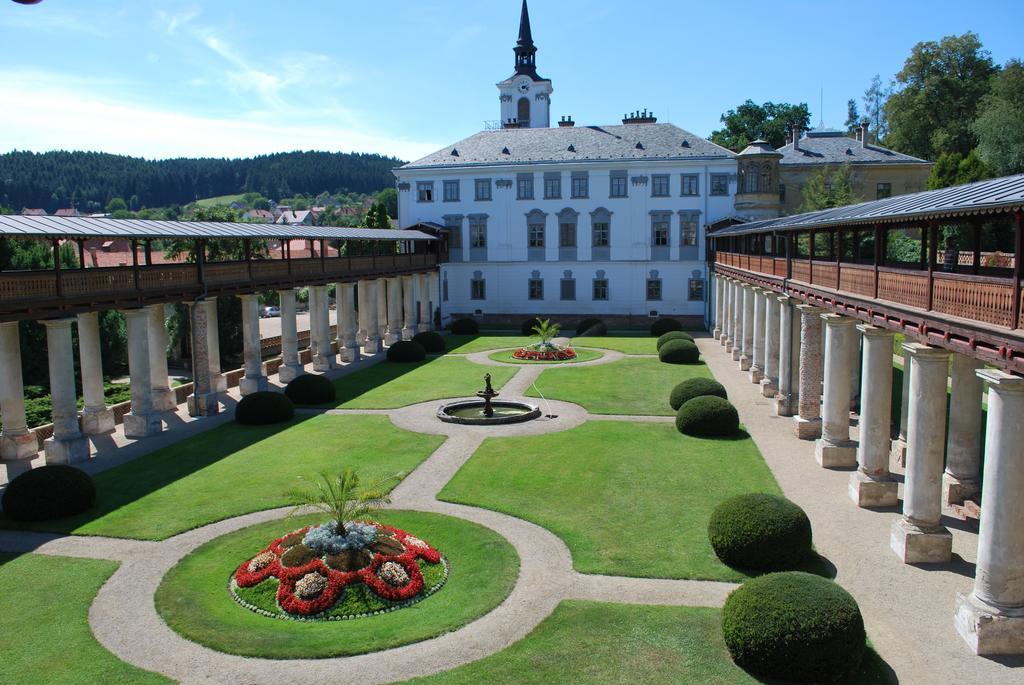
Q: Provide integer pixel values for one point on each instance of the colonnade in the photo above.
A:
(822, 365)
(390, 309)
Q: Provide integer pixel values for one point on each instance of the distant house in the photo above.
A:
(66, 212)
(302, 217)
(101, 253)
(259, 215)
(25, 211)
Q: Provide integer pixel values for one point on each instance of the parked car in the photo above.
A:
(270, 312)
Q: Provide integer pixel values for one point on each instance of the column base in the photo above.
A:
(143, 425)
(66, 451)
(784, 406)
(745, 362)
(248, 386)
(987, 629)
(207, 404)
(349, 353)
(424, 327)
(756, 375)
(769, 388)
(807, 429)
(835, 455)
(957, 490)
(898, 452)
(408, 332)
(218, 383)
(23, 446)
(735, 353)
(164, 399)
(322, 364)
(724, 342)
(916, 544)
(871, 493)
(392, 338)
(286, 373)
(716, 333)
(371, 346)
(98, 421)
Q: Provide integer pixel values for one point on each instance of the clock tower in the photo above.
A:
(525, 96)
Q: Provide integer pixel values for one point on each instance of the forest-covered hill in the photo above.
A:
(53, 180)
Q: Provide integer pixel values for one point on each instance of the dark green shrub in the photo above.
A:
(794, 626)
(760, 532)
(527, 327)
(673, 335)
(679, 352)
(465, 326)
(707, 416)
(432, 342)
(48, 492)
(663, 326)
(695, 387)
(592, 328)
(263, 408)
(311, 389)
(406, 352)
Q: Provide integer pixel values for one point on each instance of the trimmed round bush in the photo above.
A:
(695, 387)
(263, 408)
(48, 492)
(406, 352)
(796, 627)
(679, 352)
(527, 327)
(673, 335)
(663, 326)
(592, 328)
(707, 416)
(465, 326)
(310, 389)
(431, 341)
(761, 532)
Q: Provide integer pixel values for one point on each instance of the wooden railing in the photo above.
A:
(974, 297)
(857, 278)
(904, 287)
(824, 274)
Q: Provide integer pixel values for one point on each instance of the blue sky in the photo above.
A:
(406, 77)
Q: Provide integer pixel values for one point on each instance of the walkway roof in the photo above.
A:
(81, 227)
(1004, 194)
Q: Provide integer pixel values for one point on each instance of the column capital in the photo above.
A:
(1005, 382)
(57, 323)
(810, 309)
(784, 299)
(248, 296)
(837, 319)
(926, 352)
(874, 331)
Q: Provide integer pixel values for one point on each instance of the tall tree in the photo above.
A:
(389, 198)
(875, 98)
(953, 169)
(939, 89)
(1000, 123)
(829, 187)
(751, 121)
(853, 118)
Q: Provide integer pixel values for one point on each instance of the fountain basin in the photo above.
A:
(471, 412)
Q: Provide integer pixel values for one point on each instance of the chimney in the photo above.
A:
(864, 134)
(639, 117)
(566, 122)
(796, 137)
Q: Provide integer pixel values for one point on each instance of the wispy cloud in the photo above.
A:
(171, 21)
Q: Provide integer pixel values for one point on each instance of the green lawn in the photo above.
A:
(627, 498)
(629, 386)
(219, 200)
(194, 600)
(390, 385)
(234, 470)
(582, 355)
(44, 625)
(466, 344)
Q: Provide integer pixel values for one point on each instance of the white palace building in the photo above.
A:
(570, 221)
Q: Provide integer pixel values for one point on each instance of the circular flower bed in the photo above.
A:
(544, 354)
(315, 574)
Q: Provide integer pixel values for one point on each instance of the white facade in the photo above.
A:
(525, 101)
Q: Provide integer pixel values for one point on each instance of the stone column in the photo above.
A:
(716, 333)
(872, 485)
(218, 383)
(361, 288)
(143, 420)
(97, 417)
(919, 537)
(808, 421)
(855, 359)
(16, 442)
(395, 300)
(347, 325)
(381, 290)
(255, 379)
(373, 342)
(770, 382)
(290, 368)
(789, 358)
(163, 397)
(204, 400)
(426, 315)
(410, 307)
(899, 445)
(747, 351)
(737, 321)
(962, 479)
(991, 618)
(835, 449)
(323, 356)
(757, 344)
(726, 311)
(67, 445)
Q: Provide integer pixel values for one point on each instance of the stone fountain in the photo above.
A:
(486, 411)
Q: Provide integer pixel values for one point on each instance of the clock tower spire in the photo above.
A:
(525, 96)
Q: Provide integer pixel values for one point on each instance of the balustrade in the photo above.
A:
(857, 278)
(905, 287)
(824, 274)
(974, 297)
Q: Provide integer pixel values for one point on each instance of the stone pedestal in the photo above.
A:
(920, 544)
(807, 424)
(143, 420)
(97, 418)
(204, 400)
(835, 449)
(290, 368)
(872, 485)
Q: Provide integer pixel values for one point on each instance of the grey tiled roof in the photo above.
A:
(588, 143)
(835, 147)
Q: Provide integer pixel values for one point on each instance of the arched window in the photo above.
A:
(524, 111)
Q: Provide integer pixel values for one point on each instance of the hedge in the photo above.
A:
(707, 416)
(432, 342)
(406, 352)
(796, 627)
(695, 387)
(663, 326)
(527, 327)
(465, 326)
(592, 328)
(263, 408)
(48, 492)
(311, 389)
(672, 335)
(679, 352)
(761, 532)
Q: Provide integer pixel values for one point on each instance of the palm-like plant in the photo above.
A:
(342, 497)
(546, 330)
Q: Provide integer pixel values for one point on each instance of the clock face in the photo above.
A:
(524, 87)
